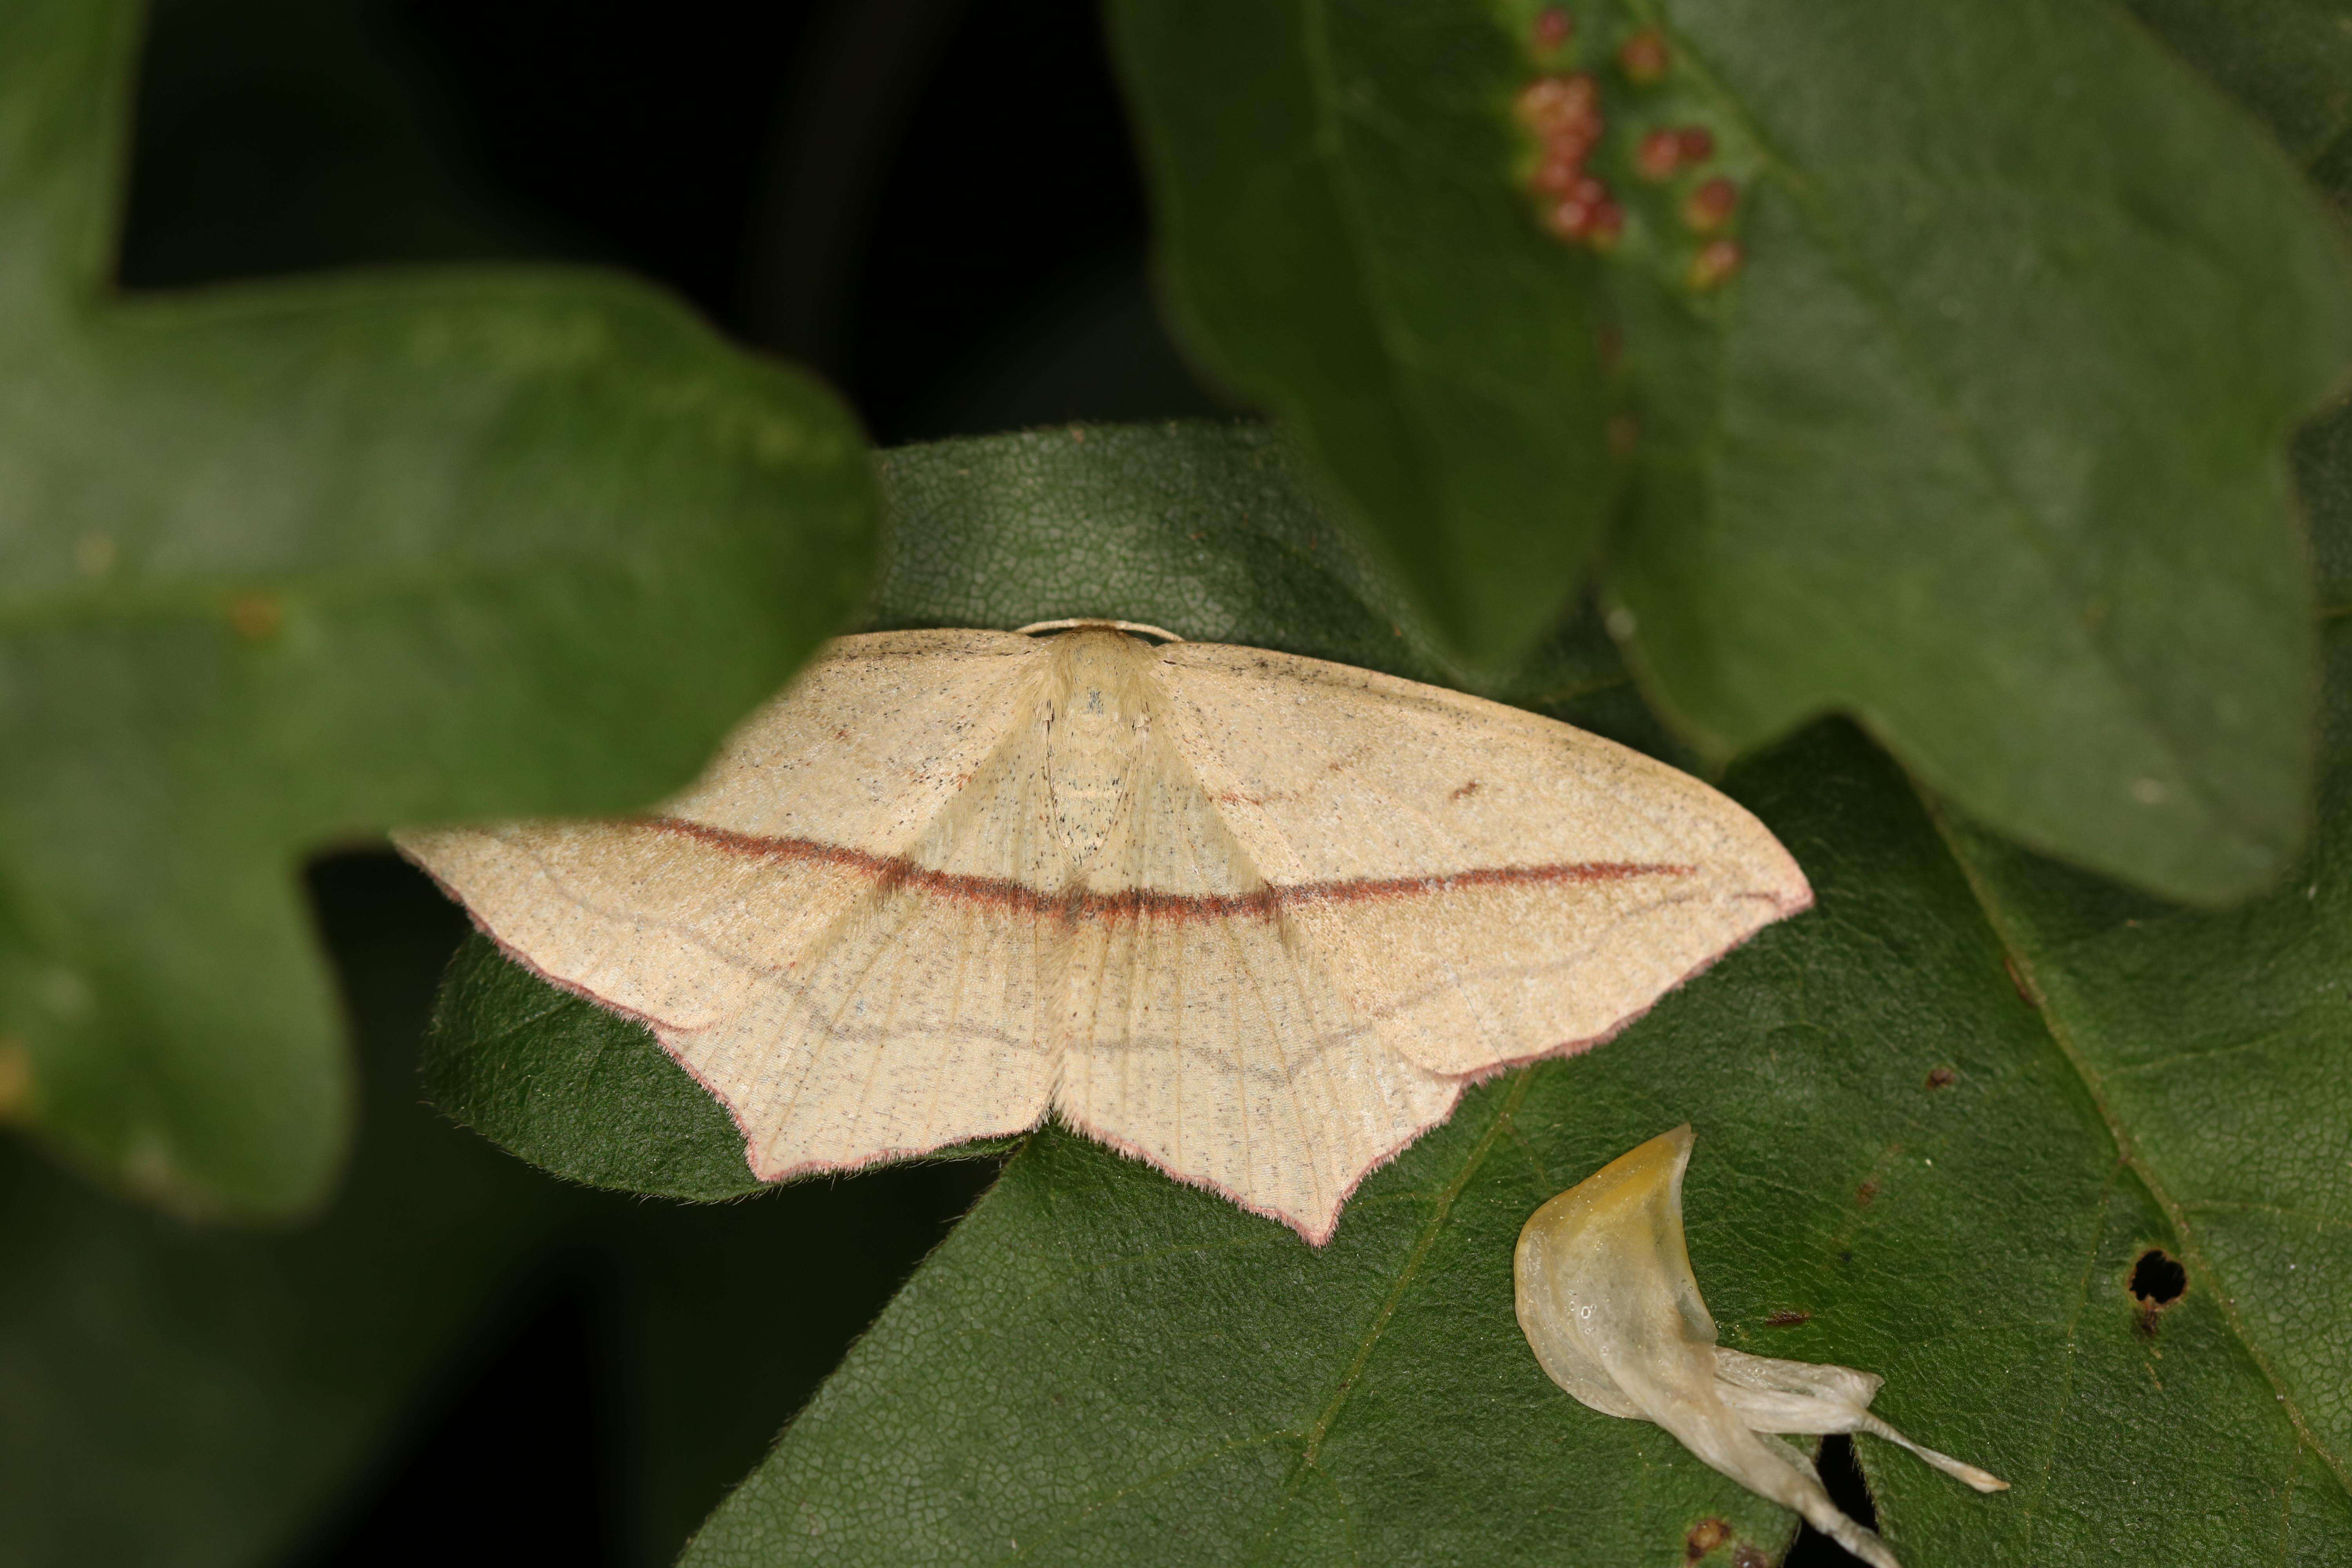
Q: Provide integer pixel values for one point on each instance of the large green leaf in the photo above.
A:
(1101, 1367)
(1982, 442)
(2218, 1049)
(1340, 245)
(286, 564)
(1101, 1364)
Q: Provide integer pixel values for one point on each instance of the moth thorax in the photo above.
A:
(1093, 739)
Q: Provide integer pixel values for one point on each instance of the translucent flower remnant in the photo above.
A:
(1609, 1304)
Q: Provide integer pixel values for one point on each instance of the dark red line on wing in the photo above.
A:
(896, 872)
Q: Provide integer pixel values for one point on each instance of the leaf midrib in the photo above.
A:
(1312, 1438)
(2127, 1148)
(1424, 1241)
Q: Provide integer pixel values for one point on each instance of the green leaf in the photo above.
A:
(285, 564)
(1890, 1139)
(1210, 530)
(1982, 442)
(2286, 62)
(574, 1089)
(730, 1313)
(1338, 246)
(2218, 1049)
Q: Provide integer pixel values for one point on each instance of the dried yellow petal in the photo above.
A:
(1611, 1308)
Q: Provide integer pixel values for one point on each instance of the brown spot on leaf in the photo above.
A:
(1714, 265)
(1661, 152)
(1608, 226)
(1704, 1537)
(1863, 1194)
(255, 616)
(1710, 205)
(1643, 57)
(1574, 187)
(1941, 1078)
(1787, 1320)
(1587, 215)
(16, 1077)
(1558, 173)
(1658, 156)
(1554, 26)
(2017, 981)
(1564, 114)
(1466, 791)
(1562, 109)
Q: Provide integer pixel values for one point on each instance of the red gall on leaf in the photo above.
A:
(1658, 156)
(1710, 205)
(1557, 106)
(1644, 57)
(1715, 263)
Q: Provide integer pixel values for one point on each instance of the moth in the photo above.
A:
(1256, 919)
(1609, 1304)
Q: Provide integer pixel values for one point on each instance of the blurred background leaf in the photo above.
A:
(2289, 64)
(288, 564)
(1979, 440)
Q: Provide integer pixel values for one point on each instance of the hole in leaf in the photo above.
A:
(2158, 1279)
(1842, 1476)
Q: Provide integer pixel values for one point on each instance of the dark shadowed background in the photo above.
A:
(934, 204)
